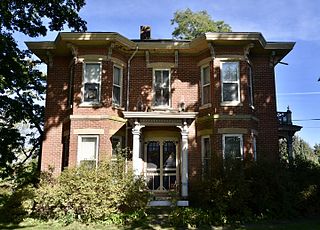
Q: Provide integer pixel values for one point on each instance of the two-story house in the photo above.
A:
(182, 107)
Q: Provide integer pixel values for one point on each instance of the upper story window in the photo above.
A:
(250, 86)
(117, 85)
(88, 146)
(161, 88)
(230, 83)
(232, 146)
(205, 85)
(91, 82)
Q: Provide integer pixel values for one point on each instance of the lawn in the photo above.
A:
(30, 224)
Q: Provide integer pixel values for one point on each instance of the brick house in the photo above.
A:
(182, 107)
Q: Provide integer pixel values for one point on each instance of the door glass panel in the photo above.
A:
(153, 165)
(169, 165)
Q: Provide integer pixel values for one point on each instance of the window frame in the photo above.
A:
(205, 85)
(224, 144)
(96, 82)
(154, 91)
(254, 147)
(119, 86)
(204, 175)
(250, 86)
(80, 138)
(235, 102)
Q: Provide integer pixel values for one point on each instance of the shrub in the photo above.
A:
(106, 193)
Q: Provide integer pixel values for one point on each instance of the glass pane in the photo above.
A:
(232, 147)
(206, 148)
(88, 148)
(230, 71)
(165, 96)
(91, 92)
(116, 95)
(165, 82)
(169, 182)
(169, 154)
(92, 72)
(157, 76)
(153, 155)
(206, 75)
(230, 92)
(206, 94)
(116, 76)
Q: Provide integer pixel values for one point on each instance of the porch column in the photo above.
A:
(136, 161)
(184, 159)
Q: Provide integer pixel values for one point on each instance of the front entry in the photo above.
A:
(161, 163)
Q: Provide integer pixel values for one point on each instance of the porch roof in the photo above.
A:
(160, 115)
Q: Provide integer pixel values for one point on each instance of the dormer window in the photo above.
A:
(91, 83)
(161, 88)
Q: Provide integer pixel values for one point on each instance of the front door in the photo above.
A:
(161, 165)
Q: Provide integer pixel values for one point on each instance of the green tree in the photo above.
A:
(191, 24)
(22, 86)
(303, 150)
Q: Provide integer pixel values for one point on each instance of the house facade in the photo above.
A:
(181, 107)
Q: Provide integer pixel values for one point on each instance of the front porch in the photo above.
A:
(160, 143)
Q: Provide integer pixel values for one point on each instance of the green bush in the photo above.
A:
(106, 193)
(259, 190)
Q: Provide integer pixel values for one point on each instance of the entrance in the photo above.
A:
(161, 165)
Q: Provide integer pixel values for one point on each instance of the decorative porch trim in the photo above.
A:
(161, 115)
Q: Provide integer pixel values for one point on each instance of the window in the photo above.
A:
(161, 87)
(206, 156)
(65, 153)
(250, 86)
(91, 82)
(88, 150)
(116, 142)
(117, 86)
(230, 82)
(254, 147)
(232, 146)
(205, 85)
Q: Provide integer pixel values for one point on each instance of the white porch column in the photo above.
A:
(184, 159)
(136, 161)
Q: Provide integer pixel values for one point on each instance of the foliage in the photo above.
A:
(257, 191)
(84, 194)
(22, 86)
(191, 24)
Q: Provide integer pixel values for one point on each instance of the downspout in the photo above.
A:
(128, 77)
(128, 90)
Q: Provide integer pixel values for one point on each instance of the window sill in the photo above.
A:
(236, 103)
(90, 105)
(118, 107)
(205, 106)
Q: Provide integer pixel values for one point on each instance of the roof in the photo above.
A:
(63, 40)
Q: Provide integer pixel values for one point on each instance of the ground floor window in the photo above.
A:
(206, 156)
(88, 148)
(232, 146)
(116, 142)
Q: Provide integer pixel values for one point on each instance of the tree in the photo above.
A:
(192, 24)
(22, 86)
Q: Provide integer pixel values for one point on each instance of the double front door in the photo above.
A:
(161, 163)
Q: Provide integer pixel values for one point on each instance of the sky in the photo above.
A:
(297, 21)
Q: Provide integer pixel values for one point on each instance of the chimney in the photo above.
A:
(145, 32)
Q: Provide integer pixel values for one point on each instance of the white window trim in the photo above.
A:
(202, 151)
(121, 84)
(202, 85)
(154, 93)
(79, 146)
(230, 103)
(88, 103)
(232, 135)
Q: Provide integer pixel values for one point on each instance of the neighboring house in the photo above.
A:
(182, 107)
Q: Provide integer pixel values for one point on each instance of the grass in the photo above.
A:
(155, 223)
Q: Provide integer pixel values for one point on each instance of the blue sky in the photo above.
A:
(285, 20)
